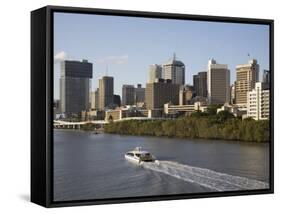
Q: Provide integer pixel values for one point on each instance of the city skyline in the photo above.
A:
(140, 42)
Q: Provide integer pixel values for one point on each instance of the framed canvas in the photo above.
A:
(130, 106)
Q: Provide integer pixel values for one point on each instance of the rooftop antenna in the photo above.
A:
(174, 56)
(106, 70)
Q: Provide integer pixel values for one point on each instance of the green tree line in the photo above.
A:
(198, 125)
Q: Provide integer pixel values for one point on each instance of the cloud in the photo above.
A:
(60, 56)
(122, 59)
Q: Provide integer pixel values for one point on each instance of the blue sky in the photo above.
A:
(128, 45)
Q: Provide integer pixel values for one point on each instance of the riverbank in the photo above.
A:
(195, 127)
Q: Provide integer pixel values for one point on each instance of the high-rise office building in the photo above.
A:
(128, 95)
(139, 94)
(200, 84)
(186, 94)
(56, 104)
(266, 76)
(161, 92)
(175, 71)
(95, 99)
(106, 85)
(117, 100)
(56, 107)
(155, 72)
(258, 102)
(232, 94)
(246, 77)
(218, 81)
(75, 83)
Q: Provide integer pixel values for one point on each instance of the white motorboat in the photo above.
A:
(138, 156)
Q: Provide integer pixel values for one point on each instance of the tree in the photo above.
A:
(212, 109)
(221, 126)
(198, 113)
(223, 116)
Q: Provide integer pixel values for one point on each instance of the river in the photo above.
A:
(92, 166)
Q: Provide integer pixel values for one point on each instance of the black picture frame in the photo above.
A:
(42, 100)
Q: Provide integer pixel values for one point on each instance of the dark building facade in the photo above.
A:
(218, 83)
(128, 94)
(200, 84)
(139, 94)
(266, 76)
(75, 82)
(117, 100)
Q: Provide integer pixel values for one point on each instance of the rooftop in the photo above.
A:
(174, 61)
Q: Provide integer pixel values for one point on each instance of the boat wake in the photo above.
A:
(205, 177)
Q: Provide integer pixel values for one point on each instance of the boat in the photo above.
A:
(139, 156)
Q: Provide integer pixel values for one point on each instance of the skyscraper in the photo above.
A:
(139, 94)
(232, 94)
(258, 102)
(266, 76)
(117, 100)
(246, 77)
(218, 81)
(128, 95)
(155, 72)
(175, 71)
(106, 85)
(200, 84)
(75, 86)
(95, 99)
(161, 92)
(185, 94)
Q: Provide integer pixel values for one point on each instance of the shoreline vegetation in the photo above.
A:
(209, 125)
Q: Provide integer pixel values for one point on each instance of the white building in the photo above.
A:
(187, 109)
(95, 99)
(175, 71)
(218, 82)
(186, 94)
(246, 77)
(232, 94)
(155, 72)
(234, 109)
(258, 102)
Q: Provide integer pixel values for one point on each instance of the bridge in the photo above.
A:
(77, 125)
(98, 123)
(140, 118)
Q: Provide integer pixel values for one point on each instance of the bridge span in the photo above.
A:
(77, 125)
(97, 123)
